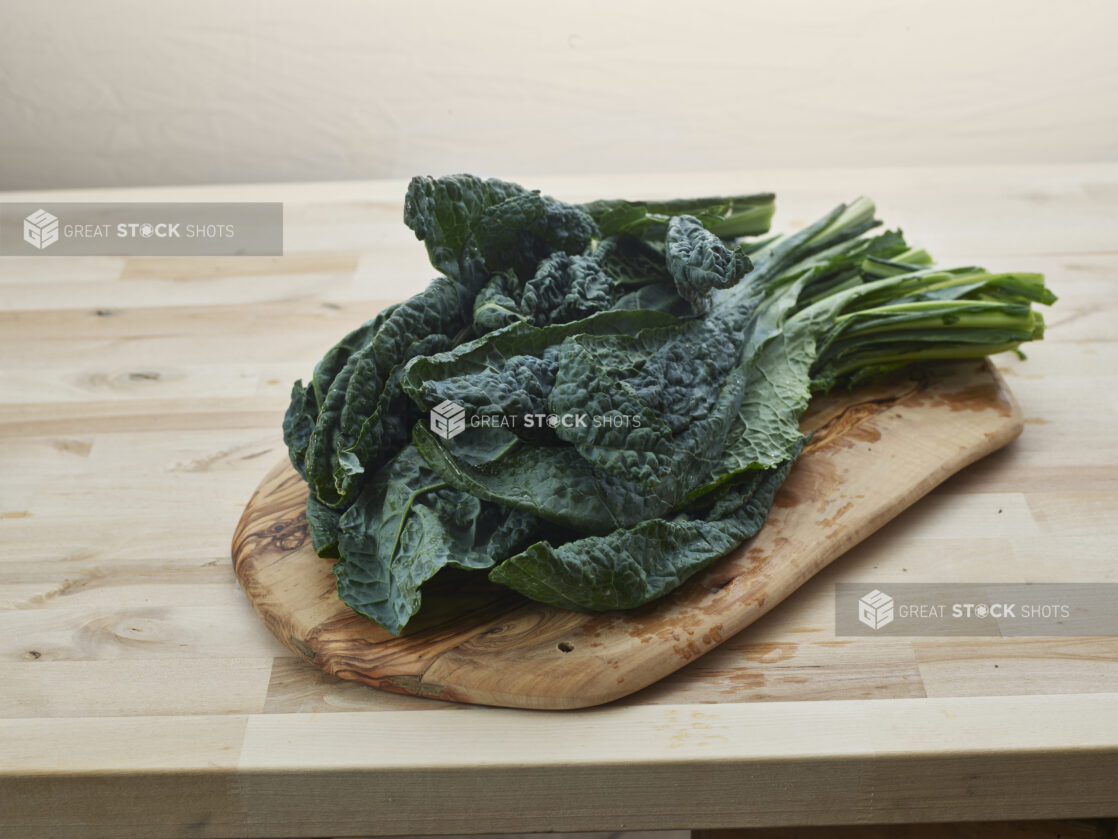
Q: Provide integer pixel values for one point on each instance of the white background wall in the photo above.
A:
(122, 92)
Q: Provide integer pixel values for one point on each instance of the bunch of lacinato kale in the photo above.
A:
(623, 382)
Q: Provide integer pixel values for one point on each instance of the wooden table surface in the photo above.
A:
(140, 696)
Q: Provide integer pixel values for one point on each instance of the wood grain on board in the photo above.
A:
(873, 453)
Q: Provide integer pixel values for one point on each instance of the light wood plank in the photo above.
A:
(134, 630)
(1016, 666)
(172, 686)
(398, 772)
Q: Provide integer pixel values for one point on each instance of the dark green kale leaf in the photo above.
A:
(520, 231)
(665, 397)
(632, 262)
(365, 418)
(552, 482)
(633, 566)
(497, 305)
(322, 523)
(511, 371)
(405, 527)
(641, 277)
(306, 402)
(726, 217)
(444, 213)
(646, 412)
(623, 273)
(298, 424)
(564, 288)
(700, 262)
(336, 357)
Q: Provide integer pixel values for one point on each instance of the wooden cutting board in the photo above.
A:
(874, 452)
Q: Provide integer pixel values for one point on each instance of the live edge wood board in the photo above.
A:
(873, 453)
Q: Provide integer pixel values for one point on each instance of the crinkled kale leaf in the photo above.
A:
(700, 262)
(406, 526)
(520, 231)
(631, 566)
(632, 372)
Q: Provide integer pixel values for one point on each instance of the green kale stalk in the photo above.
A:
(689, 353)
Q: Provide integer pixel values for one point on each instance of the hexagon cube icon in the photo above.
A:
(875, 609)
(448, 419)
(40, 229)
